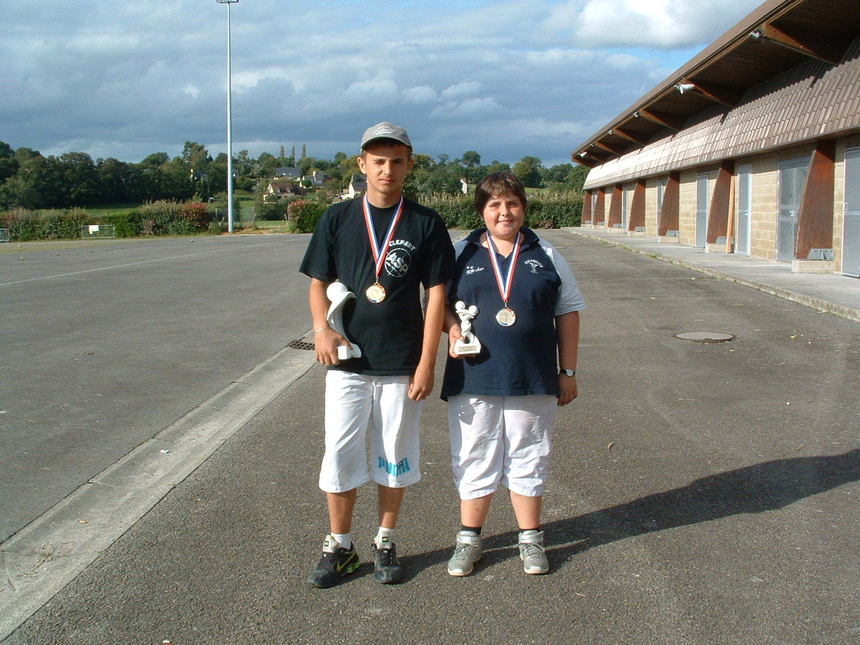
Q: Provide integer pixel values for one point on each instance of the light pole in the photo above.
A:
(229, 122)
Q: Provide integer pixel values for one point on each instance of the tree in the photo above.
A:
(443, 181)
(177, 183)
(195, 156)
(471, 159)
(8, 164)
(558, 174)
(81, 183)
(23, 155)
(576, 177)
(496, 166)
(528, 170)
(243, 164)
(268, 163)
(156, 159)
(39, 183)
(306, 164)
(116, 180)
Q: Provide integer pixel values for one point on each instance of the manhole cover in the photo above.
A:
(705, 336)
(301, 344)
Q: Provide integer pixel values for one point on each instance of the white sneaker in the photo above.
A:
(467, 551)
(533, 552)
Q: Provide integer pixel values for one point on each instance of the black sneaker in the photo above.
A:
(387, 569)
(333, 565)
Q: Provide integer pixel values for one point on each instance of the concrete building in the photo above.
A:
(752, 147)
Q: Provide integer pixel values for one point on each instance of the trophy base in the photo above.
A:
(467, 349)
(345, 353)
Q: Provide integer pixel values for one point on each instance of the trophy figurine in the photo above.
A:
(468, 344)
(338, 294)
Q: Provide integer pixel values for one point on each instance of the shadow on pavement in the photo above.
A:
(753, 489)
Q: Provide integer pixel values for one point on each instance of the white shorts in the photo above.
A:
(500, 439)
(356, 405)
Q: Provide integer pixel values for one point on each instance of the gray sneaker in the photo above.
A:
(467, 551)
(532, 552)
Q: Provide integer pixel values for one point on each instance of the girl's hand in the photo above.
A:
(567, 389)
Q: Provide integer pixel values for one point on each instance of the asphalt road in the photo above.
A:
(105, 344)
(700, 493)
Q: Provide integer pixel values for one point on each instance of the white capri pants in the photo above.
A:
(356, 405)
(500, 439)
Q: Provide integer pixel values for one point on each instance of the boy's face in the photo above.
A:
(386, 168)
(504, 216)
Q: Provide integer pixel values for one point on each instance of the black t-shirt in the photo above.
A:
(389, 333)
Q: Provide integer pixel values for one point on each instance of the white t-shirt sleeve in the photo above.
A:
(569, 297)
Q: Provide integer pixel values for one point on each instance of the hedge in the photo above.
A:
(154, 218)
(25, 226)
(303, 215)
(550, 210)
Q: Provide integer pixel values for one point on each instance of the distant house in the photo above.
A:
(316, 178)
(278, 188)
(356, 187)
(289, 173)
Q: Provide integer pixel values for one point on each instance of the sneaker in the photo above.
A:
(387, 569)
(467, 551)
(335, 563)
(533, 552)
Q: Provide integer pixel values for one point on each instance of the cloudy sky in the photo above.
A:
(506, 78)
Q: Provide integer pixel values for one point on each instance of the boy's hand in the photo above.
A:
(421, 383)
(326, 343)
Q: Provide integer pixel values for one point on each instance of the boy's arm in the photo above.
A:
(326, 339)
(451, 326)
(421, 383)
(567, 326)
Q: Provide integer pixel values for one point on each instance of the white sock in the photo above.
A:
(384, 537)
(343, 539)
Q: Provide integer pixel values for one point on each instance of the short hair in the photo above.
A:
(498, 183)
(384, 143)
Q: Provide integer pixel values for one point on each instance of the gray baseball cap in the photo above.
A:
(385, 130)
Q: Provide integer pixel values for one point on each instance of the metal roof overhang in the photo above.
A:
(777, 36)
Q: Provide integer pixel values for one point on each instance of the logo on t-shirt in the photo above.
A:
(534, 264)
(397, 262)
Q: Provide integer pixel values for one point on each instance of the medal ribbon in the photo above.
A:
(505, 284)
(378, 254)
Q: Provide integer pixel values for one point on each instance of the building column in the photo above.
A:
(667, 229)
(720, 211)
(636, 222)
(814, 247)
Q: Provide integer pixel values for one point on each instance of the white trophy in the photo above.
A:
(338, 294)
(468, 344)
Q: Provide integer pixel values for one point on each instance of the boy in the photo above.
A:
(381, 246)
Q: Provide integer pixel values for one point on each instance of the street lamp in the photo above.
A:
(229, 123)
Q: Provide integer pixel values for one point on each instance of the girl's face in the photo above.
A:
(504, 216)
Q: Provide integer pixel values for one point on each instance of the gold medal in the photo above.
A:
(375, 293)
(506, 317)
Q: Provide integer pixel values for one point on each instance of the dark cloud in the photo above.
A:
(507, 79)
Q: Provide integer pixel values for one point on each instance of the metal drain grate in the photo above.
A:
(301, 344)
(705, 336)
